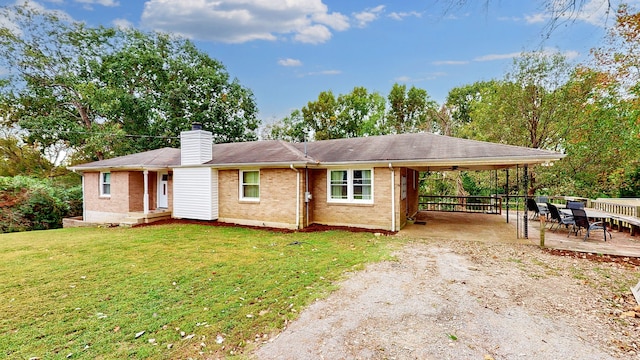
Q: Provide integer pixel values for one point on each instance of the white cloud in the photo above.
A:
(536, 18)
(401, 15)
(595, 12)
(426, 77)
(122, 23)
(450, 62)
(238, 21)
(329, 72)
(323, 72)
(108, 3)
(289, 62)
(493, 57)
(569, 55)
(336, 21)
(365, 17)
(314, 34)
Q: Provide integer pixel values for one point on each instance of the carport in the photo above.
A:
(447, 154)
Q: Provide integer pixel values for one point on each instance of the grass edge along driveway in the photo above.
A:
(167, 291)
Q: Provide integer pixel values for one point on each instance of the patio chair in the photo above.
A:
(559, 218)
(542, 199)
(536, 210)
(575, 205)
(582, 222)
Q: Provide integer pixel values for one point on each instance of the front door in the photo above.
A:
(163, 190)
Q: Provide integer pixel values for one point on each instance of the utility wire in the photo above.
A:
(104, 134)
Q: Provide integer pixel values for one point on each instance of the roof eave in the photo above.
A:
(261, 165)
(502, 162)
(119, 168)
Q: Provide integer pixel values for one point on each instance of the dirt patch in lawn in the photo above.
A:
(471, 300)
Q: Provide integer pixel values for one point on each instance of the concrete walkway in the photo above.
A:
(493, 228)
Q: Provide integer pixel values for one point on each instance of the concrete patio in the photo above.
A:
(493, 228)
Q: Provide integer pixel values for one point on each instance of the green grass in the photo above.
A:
(86, 293)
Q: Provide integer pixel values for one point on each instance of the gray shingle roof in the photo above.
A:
(421, 150)
(421, 147)
(256, 152)
(153, 159)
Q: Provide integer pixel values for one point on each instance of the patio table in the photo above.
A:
(594, 214)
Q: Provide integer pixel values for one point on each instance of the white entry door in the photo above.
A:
(163, 190)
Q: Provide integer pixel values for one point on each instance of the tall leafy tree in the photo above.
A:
(358, 113)
(291, 128)
(410, 110)
(527, 108)
(104, 92)
(531, 107)
(461, 101)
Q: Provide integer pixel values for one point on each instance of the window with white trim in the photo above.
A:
(350, 186)
(105, 184)
(250, 185)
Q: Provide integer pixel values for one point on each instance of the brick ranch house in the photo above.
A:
(367, 182)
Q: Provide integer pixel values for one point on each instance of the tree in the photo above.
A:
(17, 158)
(105, 92)
(461, 101)
(291, 128)
(409, 111)
(531, 107)
(356, 114)
(528, 108)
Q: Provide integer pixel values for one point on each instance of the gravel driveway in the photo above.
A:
(468, 300)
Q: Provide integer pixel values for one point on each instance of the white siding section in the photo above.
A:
(195, 193)
(196, 147)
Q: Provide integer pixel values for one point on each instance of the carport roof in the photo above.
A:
(422, 151)
(426, 151)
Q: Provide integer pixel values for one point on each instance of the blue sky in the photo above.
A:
(288, 51)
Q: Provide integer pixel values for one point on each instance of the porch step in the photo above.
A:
(131, 221)
(138, 218)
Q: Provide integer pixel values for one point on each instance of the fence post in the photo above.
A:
(542, 230)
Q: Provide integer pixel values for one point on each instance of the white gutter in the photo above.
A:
(84, 203)
(393, 198)
(297, 195)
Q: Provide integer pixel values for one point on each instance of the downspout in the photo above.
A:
(297, 196)
(84, 206)
(393, 198)
(306, 192)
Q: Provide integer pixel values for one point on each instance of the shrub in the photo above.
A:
(35, 204)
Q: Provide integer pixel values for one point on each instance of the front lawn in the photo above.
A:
(167, 291)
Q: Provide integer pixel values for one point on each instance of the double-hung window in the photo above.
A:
(350, 186)
(105, 184)
(250, 185)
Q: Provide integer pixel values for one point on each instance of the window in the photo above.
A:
(250, 185)
(105, 184)
(339, 185)
(350, 186)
